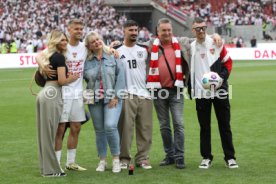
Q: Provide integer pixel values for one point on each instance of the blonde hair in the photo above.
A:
(75, 21)
(54, 39)
(87, 39)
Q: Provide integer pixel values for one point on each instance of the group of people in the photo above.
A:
(122, 84)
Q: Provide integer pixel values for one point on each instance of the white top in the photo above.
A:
(201, 67)
(30, 48)
(134, 60)
(75, 58)
(2, 34)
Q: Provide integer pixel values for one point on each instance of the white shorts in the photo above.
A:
(73, 111)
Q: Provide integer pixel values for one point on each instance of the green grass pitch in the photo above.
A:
(253, 124)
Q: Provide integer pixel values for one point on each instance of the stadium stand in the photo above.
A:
(227, 16)
(28, 22)
(240, 12)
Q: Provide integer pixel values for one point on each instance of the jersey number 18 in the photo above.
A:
(132, 63)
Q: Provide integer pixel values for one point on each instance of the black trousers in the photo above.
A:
(222, 110)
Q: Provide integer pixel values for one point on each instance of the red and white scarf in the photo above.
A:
(153, 77)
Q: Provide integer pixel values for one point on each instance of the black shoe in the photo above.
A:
(167, 161)
(179, 163)
(55, 175)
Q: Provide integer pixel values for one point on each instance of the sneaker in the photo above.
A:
(101, 166)
(179, 163)
(116, 166)
(167, 161)
(144, 164)
(205, 164)
(74, 167)
(232, 164)
(55, 175)
(123, 165)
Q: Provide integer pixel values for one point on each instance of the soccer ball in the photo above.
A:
(211, 80)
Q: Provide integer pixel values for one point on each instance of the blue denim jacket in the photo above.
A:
(112, 74)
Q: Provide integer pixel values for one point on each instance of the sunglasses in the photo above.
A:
(198, 29)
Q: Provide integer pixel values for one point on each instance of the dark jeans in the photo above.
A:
(174, 103)
(222, 110)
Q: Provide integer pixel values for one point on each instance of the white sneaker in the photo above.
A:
(205, 164)
(101, 166)
(232, 164)
(116, 168)
(145, 164)
(123, 165)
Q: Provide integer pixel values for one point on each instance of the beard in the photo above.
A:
(133, 38)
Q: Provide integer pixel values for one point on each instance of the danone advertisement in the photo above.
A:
(252, 53)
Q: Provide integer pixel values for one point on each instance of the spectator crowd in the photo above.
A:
(24, 25)
(228, 13)
(237, 12)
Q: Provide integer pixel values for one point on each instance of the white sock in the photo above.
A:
(58, 155)
(116, 159)
(71, 155)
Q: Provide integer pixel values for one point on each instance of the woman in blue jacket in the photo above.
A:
(105, 81)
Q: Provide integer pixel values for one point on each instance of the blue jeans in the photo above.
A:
(174, 148)
(105, 121)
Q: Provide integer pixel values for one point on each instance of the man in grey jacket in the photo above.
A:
(168, 67)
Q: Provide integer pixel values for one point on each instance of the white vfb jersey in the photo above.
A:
(134, 60)
(75, 58)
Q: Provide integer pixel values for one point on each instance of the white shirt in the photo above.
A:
(2, 34)
(30, 48)
(134, 60)
(75, 58)
(18, 43)
(201, 67)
